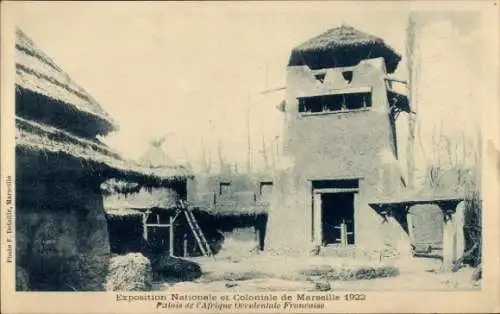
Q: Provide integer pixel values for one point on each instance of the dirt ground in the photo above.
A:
(263, 272)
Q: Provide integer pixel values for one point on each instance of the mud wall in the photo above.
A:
(61, 232)
(340, 145)
(243, 190)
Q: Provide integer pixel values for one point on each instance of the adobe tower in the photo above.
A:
(340, 143)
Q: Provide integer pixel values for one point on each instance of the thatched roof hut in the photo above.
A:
(41, 139)
(130, 206)
(342, 47)
(65, 105)
(62, 239)
(55, 116)
(155, 157)
(130, 195)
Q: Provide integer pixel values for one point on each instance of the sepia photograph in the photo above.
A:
(180, 149)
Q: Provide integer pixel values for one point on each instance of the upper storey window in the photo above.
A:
(225, 188)
(335, 103)
(266, 189)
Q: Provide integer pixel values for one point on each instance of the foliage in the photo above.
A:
(473, 229)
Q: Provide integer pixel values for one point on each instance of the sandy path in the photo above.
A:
(277, 273)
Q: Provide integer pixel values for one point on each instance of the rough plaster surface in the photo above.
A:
(63, 247)
(335, 146)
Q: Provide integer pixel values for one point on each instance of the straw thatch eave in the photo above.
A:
(342, 47)
(120, 209)
(102, 161)
(234, 210)
(120, 194)
(37, 73)
(122, 213)
(113, 186)
(114, 204)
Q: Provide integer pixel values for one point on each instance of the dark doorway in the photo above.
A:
(337, 218)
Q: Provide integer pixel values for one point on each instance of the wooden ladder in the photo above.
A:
(343, 234)
(197, 232)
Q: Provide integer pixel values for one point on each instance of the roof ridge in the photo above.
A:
(333, 48)
(26, 46)
(344, 27)
(36, 52)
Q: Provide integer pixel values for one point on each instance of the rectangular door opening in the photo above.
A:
(337, 223)
(333, 211)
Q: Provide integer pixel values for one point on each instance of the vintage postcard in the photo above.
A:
(270, 157)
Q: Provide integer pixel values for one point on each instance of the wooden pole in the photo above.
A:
(318, 232)
(171, 237)
(449, 235)
(158, 225)
(459, 226)
(145, 226)
(343, 234)
(409, 222)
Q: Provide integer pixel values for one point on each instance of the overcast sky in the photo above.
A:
(191, 70)
(187, 70)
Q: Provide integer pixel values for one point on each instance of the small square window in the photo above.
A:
(225, 188)
(347, 76)
(265, 190)
(320, 77)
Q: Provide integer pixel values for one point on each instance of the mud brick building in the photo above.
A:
(340, 144)
(233, 203)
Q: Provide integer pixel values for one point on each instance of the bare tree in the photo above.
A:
(249, 141)
(435, 165)
(206, 158)
(413, 64)
(274, 152)
(458, 156)
(265, 154)
(220, 155)
(277, 153)
(186, 155)
(225, 167)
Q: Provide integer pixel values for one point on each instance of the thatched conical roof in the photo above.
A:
(57, 123)
(66, 105)
(342, 47)
(35, 138)
(156, 159)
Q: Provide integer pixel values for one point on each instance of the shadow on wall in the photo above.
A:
(126, 234)
(223, 231)
(427, 221)
(61, 243)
